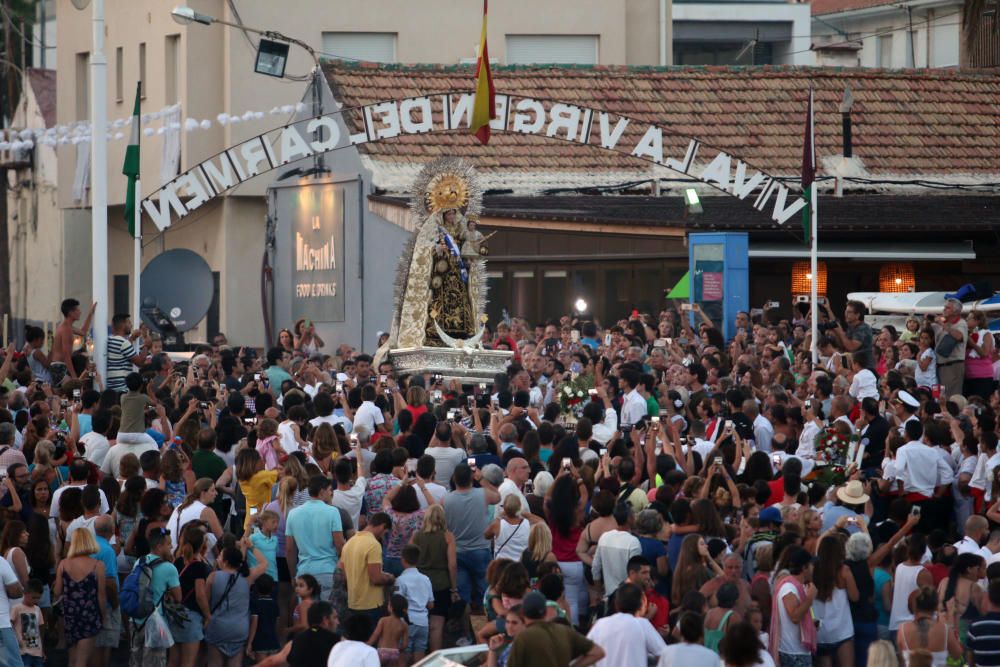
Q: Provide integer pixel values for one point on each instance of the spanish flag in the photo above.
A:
(484, 106)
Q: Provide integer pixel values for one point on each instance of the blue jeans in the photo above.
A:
(864, 635)
(9, 650)
(393, 566)
(472, 574)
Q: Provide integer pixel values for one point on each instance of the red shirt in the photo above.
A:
(416, 411)
(662, 616)
(565, 547)
(777, 487)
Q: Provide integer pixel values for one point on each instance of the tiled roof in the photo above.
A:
(931, 123)
(833, 6)
(43, 83)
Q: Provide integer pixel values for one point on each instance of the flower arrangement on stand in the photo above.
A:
(573, 395)
(834, 453)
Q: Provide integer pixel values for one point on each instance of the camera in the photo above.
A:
(203, 405)
(827, 326)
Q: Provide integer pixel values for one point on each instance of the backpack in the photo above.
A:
(136, 598)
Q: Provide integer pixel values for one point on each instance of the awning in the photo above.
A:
(682, 290)
(867, 251)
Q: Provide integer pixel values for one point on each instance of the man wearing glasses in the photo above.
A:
(17, 486)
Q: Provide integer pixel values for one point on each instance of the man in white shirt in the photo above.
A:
(425, 472)
(864, 384)
(987, 462)
(763, 431)
(634, 406)
(518, 472)
(906, 408)
(368, 414)
(919, 469)
(324, 405)
(627, 637)
(10, 589)
(614, 549)
(691, 651)
(353, 649)
(602, 415)
(79, 472)
(349, 495)
(95, 443)
(977, 532)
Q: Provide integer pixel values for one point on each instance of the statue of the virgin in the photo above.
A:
(440, 294)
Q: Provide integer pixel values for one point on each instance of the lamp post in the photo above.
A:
(99, 183)
(270, 59)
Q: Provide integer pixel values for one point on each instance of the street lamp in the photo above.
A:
(272, 51)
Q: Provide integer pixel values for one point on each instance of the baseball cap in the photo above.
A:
(533, 605)
(770, 515)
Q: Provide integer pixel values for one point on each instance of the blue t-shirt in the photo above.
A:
(85, 423)
(106, 554)
(831, 513)
(268, 547)
(881, 578)
(156, 435)
(164, 578)
(312, 526)
(652, 549)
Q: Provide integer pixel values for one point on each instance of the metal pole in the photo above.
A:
(815, 275)
(137, 259)
(99, 188)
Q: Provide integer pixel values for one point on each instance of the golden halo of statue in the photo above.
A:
(446, 191)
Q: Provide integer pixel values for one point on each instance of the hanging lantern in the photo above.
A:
(802, 278)
(897, 277)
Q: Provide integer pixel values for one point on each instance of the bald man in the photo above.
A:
(732, 569)
(107, 638)
(977, 532)
(518, 472)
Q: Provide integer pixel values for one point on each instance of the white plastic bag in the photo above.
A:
(157, 633)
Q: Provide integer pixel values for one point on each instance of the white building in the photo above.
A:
(891, 35)
(741, 33)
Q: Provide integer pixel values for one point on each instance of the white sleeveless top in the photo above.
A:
(938, 658)
(835, 616)
(178, 520)
(512, 540)
(904, 583)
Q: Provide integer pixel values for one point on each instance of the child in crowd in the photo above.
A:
(392, 634)
(28, 621)
(269, 444)
(265, 539)
(308, 590)
(255, 482)
(416, 588)
(263, 639)
(132, 430)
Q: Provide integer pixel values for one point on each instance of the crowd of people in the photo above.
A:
(630, 493)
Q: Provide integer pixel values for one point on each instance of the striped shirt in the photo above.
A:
(984, 639)
(120, 351)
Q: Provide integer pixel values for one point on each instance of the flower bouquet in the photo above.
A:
(834, 453)
(574, 393)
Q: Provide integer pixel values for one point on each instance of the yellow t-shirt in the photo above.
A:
(257, 491)
(360, 551)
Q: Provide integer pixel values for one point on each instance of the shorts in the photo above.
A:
(283, 573)
(58, 372)
(442, 603)
(823, 650)
(795, 659)
(419, 635)
(111, 633)
(191, 631)
(388, 654)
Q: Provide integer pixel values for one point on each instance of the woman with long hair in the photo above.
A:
(928, 631)
(40, 497)
(284, 503)
(286, 341)
(810, 525)
(424, 425)
(41, 554)
(127, 516)
(961, 596)
(695, 567)
(741, 647)
(13, 542)
(176, 476)
(254, 480)
(155, 511)
(403, 508)
(835, 589)
(193, 570)
(439, 563)
(325, 447)
(295, 467)
(196, 506)
(792, 633)
(80, 581)
(600, 522)
(307, 341)
(539, 550)
(564, 510)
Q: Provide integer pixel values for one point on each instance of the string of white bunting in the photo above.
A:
(14, 139)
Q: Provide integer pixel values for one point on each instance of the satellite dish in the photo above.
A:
(177, 283)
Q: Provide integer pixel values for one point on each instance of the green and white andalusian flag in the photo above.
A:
(131, 166)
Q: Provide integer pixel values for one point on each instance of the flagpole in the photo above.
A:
(814, 232)
(137, 259)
